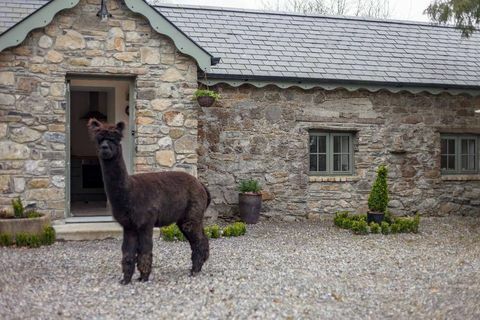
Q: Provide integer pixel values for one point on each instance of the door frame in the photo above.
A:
(132, 80)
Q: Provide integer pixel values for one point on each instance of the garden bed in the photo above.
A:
(358, 223)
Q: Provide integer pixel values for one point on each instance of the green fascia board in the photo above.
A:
(40, 18)
(327, 85)
(163, 26)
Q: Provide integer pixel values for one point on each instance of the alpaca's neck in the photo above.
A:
(115, 178)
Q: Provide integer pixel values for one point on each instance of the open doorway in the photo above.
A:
(107, 101)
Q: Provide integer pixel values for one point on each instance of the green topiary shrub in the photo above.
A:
(374, 227)
(249, 186)
(395, 227)
(385, 227)
(378, 199)
(5, 240)
(235, 229)
(27, 240)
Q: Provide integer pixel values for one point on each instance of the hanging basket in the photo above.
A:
(205, 101)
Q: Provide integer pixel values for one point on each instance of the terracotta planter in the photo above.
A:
(205, 101)
(374, 216)
(30, 226)
(250, 206)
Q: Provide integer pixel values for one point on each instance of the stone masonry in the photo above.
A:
(262, 133)
(32, 98)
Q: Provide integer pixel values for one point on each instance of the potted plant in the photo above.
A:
(25, 226)
(206, 97)
(378, 199)
(249, 200)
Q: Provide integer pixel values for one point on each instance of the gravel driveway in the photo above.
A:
(309, 270)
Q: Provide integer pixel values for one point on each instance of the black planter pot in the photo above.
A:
(250, 205)
(373, 216)
(205, 101)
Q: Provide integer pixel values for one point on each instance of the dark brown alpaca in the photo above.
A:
(141, 202)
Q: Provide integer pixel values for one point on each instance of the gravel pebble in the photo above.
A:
(309, 270)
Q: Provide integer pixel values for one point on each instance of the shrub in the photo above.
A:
(385, 227)
(27, 240)
(48, 236)
(378, 199)
(374, 227)
(213, 231)
(206, 93)
(235, 229)
(408, 224)
(18, 209)
(5, 240)
(395, 227)
(250, 185)
(33, 214)
(172, 232)
(360, 227)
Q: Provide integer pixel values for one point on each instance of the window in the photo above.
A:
(459, 154)
(331, 153)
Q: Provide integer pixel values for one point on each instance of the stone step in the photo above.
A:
(90, 231)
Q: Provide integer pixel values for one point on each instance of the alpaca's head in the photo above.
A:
(107, 138)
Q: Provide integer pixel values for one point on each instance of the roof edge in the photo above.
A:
(164, 26)
(332, 84)
(39, 18)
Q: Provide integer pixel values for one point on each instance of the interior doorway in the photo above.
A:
(107, 100)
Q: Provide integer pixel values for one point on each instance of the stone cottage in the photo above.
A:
(310, 106)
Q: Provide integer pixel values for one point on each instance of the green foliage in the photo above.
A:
(48, 236)
(378, 199)
(27, 240)
(360, 227)
(374, 227)
(18, 209)
(249, 185)
(206, 93)
(358, 223)
(213, 231)
(172, 232)
(5, 240)
(33, 214)
(385, 227)
(464, 13)
(235, 229)
(388, 217)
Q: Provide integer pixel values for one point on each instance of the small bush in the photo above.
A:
(250, 185)
(27, 240)
(172, 232)
(385, 227)
(378, 199)
(33, 214)
(374, 227)
(48, 236)
(235, 229)
(360, 227)
(395, 227)
(5, 240)
(213, 231)
(18, 209)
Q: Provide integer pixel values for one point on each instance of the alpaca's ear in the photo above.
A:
(93, 124)
(120, 126)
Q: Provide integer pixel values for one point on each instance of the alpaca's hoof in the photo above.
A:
(194, 273)
(124, 281)
(142, 279)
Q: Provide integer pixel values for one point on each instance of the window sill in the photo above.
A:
(333, 178)
(461, 177)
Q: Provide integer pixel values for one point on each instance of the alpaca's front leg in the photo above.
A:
(129, 251)
(144, 258)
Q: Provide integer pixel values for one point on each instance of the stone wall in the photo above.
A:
(263, 133)
(32, 98)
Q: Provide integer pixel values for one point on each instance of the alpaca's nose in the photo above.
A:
(104, 146)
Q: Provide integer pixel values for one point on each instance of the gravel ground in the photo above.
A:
(309, 270)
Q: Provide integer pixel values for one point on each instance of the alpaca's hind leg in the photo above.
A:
(144, 258)
(193, 231)
(129, 251)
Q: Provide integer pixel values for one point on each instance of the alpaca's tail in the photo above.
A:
(209, 196)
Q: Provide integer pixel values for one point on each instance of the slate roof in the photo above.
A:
(285, 45)
(13, 11)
